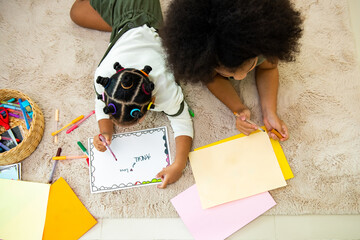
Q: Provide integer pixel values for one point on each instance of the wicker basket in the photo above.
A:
(31, 137)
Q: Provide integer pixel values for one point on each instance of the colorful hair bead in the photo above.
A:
(110, 109)
(126, 87)
(118, 67)
(149, 106)
(132, 113)
(144, 90)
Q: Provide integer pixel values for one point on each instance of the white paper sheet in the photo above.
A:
(141, 155)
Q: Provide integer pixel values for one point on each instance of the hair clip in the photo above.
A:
(103, 96)
(134, 110)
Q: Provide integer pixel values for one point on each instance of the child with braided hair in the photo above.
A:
(132, 77)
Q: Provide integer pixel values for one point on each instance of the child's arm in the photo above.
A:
(173, 172)
(267, 81)
(223, 89)
(106, 127)
(181, 123)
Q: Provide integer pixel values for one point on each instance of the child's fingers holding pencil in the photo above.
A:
(245, 127)
(99, 145)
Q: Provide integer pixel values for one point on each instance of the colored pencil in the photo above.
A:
(54, 166)
(68, 157)
(72, 122)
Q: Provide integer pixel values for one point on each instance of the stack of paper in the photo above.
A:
(232, 179)
(221, 221)
(22, 209)
(12, 172)
(34, 211)
(66, 217)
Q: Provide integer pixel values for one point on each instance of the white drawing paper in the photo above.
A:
(141, 155)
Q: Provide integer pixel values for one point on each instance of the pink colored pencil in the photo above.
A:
(76, 125)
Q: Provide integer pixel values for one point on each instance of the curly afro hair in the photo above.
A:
(200, 35)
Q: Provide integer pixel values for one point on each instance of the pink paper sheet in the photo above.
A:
(221, 221)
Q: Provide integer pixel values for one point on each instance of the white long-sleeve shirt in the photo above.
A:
(134, 49)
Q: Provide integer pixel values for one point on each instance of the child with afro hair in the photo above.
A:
(214, 41)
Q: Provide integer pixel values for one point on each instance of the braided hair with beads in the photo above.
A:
(127, 94)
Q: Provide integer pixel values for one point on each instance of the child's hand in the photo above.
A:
(99, 145)
(170, 174)
(242, 125)
(274, 122)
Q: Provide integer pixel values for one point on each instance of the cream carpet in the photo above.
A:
(47, 57)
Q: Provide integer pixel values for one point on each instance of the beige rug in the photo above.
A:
(47, 57)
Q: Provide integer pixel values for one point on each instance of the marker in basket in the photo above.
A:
(68, 157)
(11, 100)
(11, 104)
(15, 115)
(4, 147)
(9, 139)
(251, 122)
(24, 114)
(4, 121)
(54, 166)
(18, 108)
(72, 122)
(102, 138)
(76, 125)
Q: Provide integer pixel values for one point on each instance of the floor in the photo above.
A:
(312, 227)
(339, 227)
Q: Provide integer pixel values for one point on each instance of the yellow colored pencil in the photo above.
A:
(72, 122)
(69, 157)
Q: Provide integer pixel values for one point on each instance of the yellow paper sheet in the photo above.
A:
(280, 156)
(67, 217)
(236, 169)
(22, 209)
